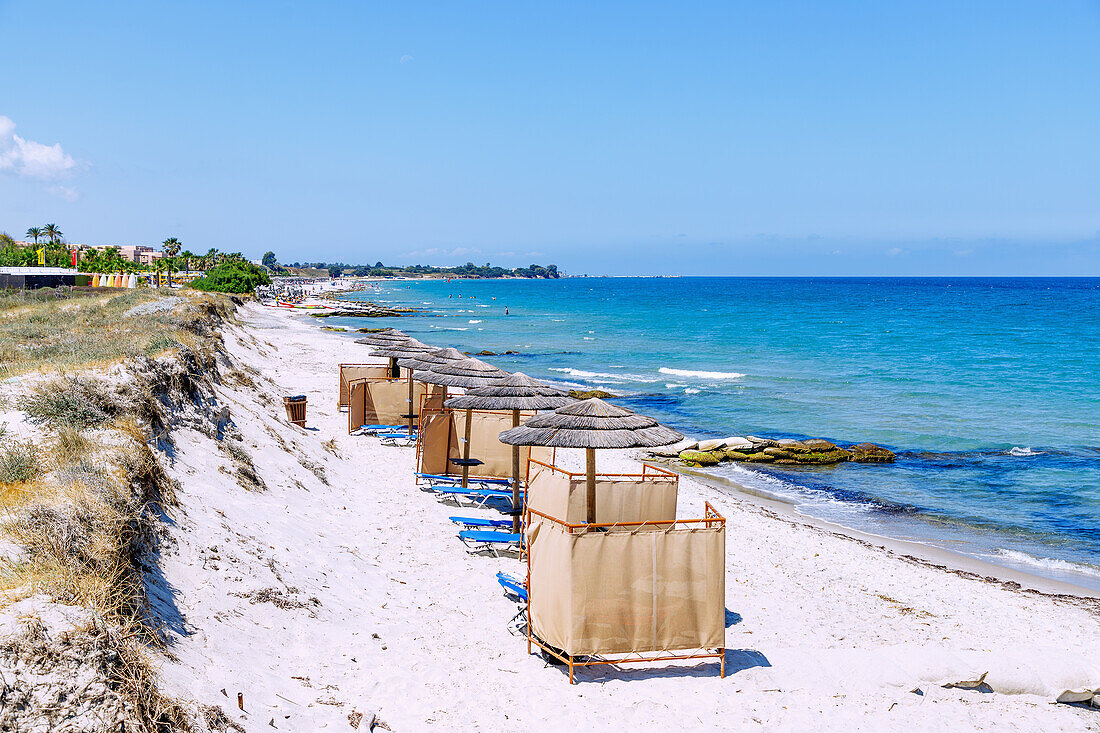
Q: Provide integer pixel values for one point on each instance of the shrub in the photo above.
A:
(18, 463)
(70, 402)
(234, 276)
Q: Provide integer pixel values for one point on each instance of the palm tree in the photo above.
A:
(171, 249)
(34, 233)
(187, 255)
(51, 231)
(211, 257)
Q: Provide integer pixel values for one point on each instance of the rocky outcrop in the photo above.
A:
(871, 453)
(751, 449)
(579, 394)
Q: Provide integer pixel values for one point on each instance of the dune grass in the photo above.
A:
(90, 330)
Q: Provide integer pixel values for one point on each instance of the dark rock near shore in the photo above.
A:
(871, 453)
(701, 458)
(578, 394)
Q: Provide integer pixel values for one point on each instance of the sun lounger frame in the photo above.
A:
(710, 518)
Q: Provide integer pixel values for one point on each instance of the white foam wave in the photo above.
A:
(689, 390)
(673, 385)
(701, 375)
(1049, 563)
(617, 378)
(1019, 452)
(473, 321)
(588, 338)
(479, 305)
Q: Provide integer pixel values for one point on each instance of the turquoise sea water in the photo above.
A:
(986, 388)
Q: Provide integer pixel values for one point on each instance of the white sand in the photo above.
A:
(825, 632)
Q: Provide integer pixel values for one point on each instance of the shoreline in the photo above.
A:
(1028, 563)
(926, 554)
(343, 583)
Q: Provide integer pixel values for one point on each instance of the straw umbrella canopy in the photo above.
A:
(470, 374)
(591, 424)
(517, 392)
(387, 338)
(398, 353)
(383, 337)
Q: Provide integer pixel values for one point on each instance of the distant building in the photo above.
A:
(137, 253)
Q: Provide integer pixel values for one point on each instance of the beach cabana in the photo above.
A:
(467, 374)
(352, 372)
(591, 424)
(407, 352)
(517, 394)
(612, 592)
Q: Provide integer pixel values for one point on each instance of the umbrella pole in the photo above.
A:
(590, 482)
(412, 408)
(466, 450)
(516, 497)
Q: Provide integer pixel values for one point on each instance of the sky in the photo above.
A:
(716, 138)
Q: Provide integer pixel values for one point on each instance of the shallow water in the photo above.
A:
(986, 388)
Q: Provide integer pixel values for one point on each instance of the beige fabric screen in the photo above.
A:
(618, 592)
(349, 372)
(618, 498)
(383, 402)
(441, 436)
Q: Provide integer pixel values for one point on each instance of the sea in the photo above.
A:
(988, 389)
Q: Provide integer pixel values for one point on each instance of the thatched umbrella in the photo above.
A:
(591, 424)
(388, 338)
(398, 354)
(517, 392)
(423, 361)
(470, 374)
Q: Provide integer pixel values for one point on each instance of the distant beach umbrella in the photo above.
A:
(469, 374)
(517, 392)
(383, 338)
(398, 349)
(591, 424)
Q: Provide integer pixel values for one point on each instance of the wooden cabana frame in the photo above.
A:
(624, 497)
(712, 521)
(499, 463)
(648, 471)
(351, 372)
(393, 400)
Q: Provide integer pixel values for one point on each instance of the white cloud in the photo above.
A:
(30, 159)
(66, 192)
(406, 59)
(894, 251)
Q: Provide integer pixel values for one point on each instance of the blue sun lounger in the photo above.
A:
(446, 479)
(397, 439)
(476, 497)
(513, 587)
(478, 541)
(515, 590)
(480, 523)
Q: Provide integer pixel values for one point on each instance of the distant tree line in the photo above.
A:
(469, 270)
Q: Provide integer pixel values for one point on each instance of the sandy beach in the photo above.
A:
(339, 592)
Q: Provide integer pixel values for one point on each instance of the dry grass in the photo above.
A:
(81, 504)
(95, 330)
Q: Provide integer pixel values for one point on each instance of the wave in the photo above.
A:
(673, 385)
(1016, 451)
(582, 374)
(588, 338)
(689, 390)
(1048, 563)
(701, 375)
(474, 321)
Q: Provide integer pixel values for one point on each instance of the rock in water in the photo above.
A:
(738, 443)
(588, 394)
(709, 445)
(871, 453)
(701, 458)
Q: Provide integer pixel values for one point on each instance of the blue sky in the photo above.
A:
(696, 138)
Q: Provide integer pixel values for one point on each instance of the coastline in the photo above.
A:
(346, 589)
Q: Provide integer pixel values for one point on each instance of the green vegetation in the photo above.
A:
(18, 463)
(232, 276)
(469, 270)
(70, 402)
(91, 329)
